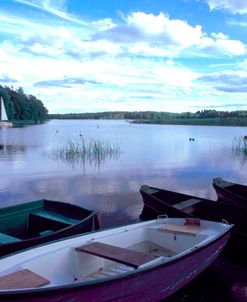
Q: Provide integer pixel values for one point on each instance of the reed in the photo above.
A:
(81, 151)
(240, 145)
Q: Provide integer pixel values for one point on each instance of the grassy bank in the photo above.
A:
(197, 121)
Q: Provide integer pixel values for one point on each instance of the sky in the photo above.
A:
(126, 55)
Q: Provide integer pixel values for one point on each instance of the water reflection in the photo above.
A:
(158, 155)
(8, 149)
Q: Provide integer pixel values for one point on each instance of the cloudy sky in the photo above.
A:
(92, 56)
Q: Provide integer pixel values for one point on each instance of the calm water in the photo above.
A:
(158, 155)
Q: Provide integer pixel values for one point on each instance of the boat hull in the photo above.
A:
(153, 284)
(230, 193)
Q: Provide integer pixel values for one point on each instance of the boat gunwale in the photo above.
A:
(40, 203)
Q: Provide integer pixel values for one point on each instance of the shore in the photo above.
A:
(196, 122)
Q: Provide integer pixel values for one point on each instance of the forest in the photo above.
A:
(202, 117)
(22, 107)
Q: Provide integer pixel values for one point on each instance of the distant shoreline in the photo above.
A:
(237, 122)
(199, 118)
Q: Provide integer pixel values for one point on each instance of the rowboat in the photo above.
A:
(145, 261)
(174, 204)
(230, 192)
(36, 222)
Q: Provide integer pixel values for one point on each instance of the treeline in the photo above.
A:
(116, 115)
(154, 116)
(22, 107)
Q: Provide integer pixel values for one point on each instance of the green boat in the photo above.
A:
(41, 221)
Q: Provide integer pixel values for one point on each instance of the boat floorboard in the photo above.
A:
(115, 269)
(153, 249)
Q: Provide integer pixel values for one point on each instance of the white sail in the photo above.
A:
(4, 116)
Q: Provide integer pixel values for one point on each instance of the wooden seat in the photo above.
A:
(117, 254)
(22, 279)
(190, 229)
(187, 203)
(55, 216)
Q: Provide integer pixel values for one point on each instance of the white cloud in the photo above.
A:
(103, 24)
(219, 44)
(162, 28)
(54, 7)
(127, 64)
(227, 81)
(158, 35)
(231, 6)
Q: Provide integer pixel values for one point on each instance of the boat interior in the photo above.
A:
(32, 221)
(106, 256)
(237, 189)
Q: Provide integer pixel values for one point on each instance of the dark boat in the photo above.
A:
(36, 222)
(230, 192)
(146, 261)
(174, 204)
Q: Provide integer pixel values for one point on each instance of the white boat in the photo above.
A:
(4, 122)
(145, 261)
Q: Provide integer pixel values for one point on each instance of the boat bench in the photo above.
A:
(5, 238)
(186, 204)
(22, 279)
(118, 254)
(55, 216)
(188, 229)
(42, 226)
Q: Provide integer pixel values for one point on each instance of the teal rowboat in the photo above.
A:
(36, 222)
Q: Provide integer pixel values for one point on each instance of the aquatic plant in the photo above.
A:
(82, 151)
(240, 145)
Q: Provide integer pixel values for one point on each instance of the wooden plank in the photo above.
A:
(55, 216)
(187, 203)
(118, 254)
(185, 229)
(22, 279)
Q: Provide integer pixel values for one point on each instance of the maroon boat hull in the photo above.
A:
(230, 193)
(151, 285)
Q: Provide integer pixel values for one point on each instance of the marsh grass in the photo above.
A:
(82, 151)
(240, 149)
(240, 146)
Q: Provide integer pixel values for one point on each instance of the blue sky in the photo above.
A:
(92, 56)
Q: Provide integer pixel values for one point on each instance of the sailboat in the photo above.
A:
(3, 115)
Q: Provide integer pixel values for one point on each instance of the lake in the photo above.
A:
(157, 155)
